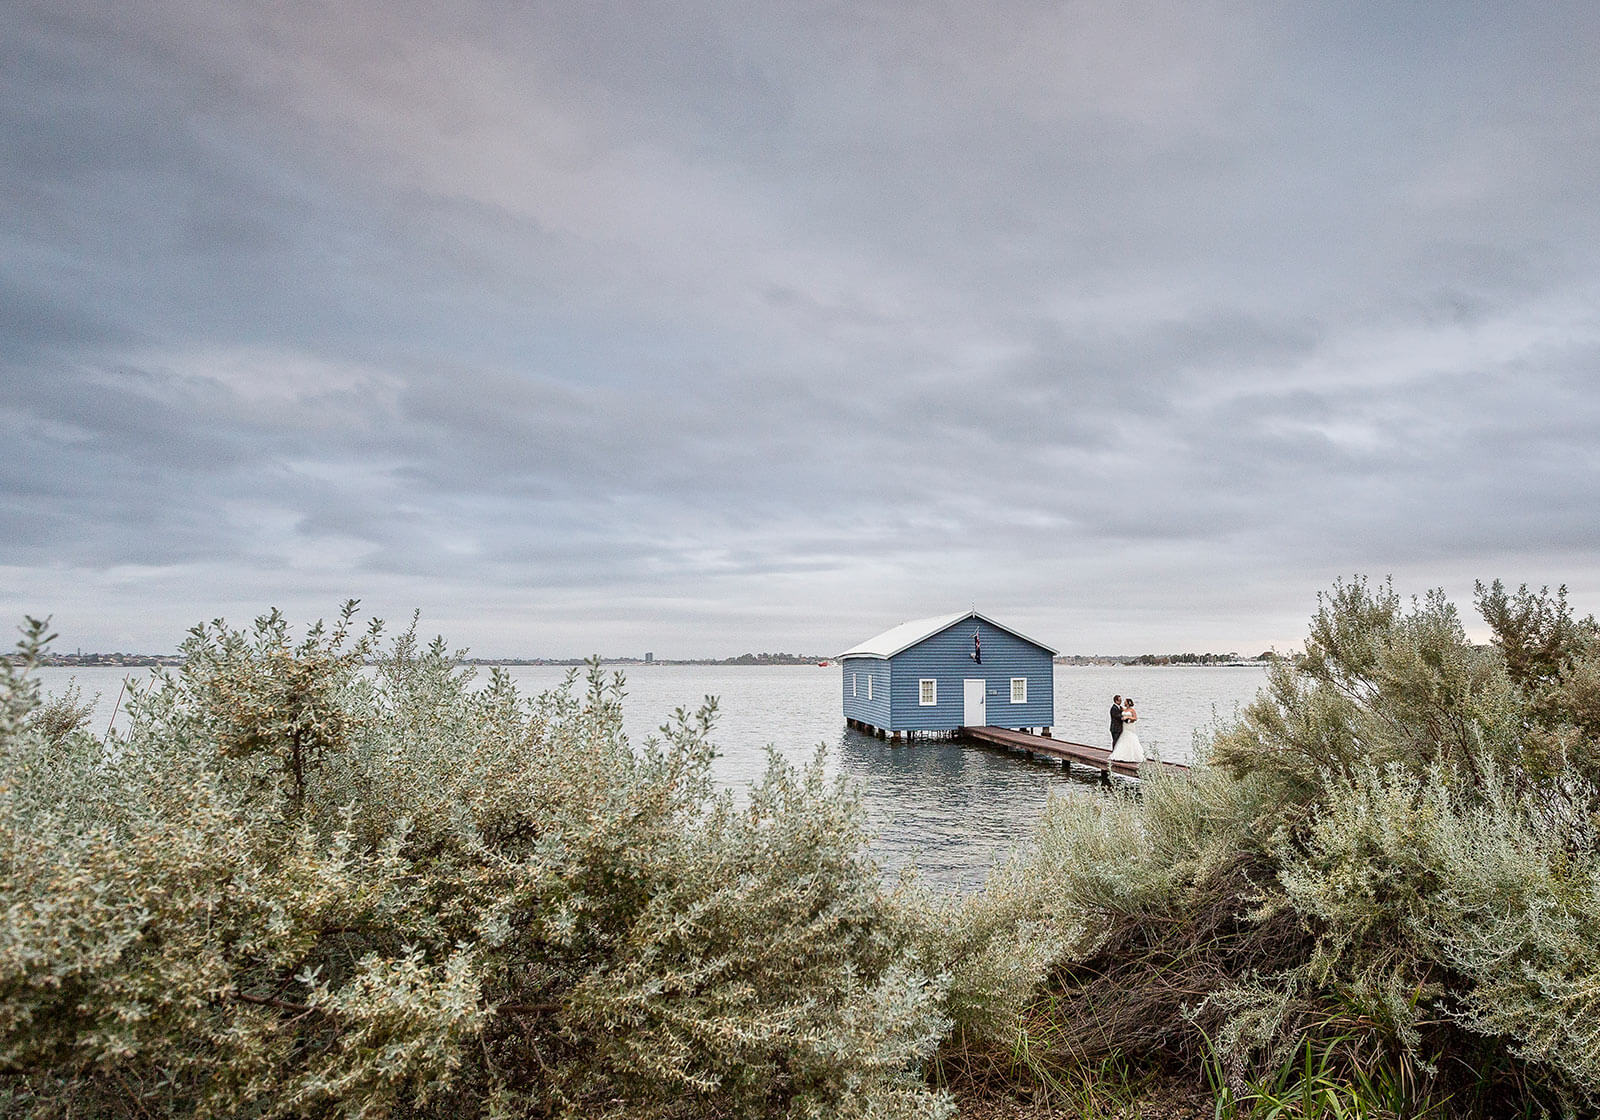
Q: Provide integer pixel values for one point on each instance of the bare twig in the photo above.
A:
(115, 708)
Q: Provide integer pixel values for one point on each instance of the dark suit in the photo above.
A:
(1116, 723)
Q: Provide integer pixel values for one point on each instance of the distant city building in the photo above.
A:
(649, 658)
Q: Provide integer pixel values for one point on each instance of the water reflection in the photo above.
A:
(949, 808)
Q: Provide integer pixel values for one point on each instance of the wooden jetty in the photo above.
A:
(1034, 746)
(1070, 753)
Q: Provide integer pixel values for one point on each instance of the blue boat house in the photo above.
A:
(938, 675)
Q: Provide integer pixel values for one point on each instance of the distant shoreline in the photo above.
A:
(1163, 663)
(151, 660)
(1135, 661)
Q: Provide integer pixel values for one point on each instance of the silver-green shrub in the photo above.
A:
(1099, 868)
(1391, 854)
(295, 885)
(1486, 893)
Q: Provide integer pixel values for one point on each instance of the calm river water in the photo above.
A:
(952, 810)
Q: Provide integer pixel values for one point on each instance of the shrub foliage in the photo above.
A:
(296, 885)
(1391, 859)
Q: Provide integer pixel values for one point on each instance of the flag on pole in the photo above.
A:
(977, 647)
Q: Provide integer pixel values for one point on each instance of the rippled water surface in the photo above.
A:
(951, 809)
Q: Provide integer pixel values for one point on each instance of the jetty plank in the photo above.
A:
(1080, 753)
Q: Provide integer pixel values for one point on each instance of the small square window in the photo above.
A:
(927, 692)
(1019, 690)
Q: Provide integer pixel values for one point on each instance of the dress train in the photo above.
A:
(1128, 748)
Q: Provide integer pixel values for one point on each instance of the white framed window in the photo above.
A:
(1019, 690)
(854, 678)
(927, 692)
(869, 686)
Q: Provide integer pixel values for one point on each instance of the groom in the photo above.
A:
(1116, 720)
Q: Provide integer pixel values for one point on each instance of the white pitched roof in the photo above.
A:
(907, 634)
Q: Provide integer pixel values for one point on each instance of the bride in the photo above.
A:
(1128, 748)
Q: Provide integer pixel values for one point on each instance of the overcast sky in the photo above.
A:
(705, 327)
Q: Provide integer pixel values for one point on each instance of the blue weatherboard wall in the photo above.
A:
(857, 706)
(947, 658)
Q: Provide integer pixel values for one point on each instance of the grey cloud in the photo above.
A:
(32, 320)
(763, 322)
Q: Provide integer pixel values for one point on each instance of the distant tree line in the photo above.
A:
(1196, 658)
(74, 660)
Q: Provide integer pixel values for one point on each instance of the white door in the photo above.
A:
(973, 712)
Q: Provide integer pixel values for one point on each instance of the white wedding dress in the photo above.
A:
(1128, 748)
